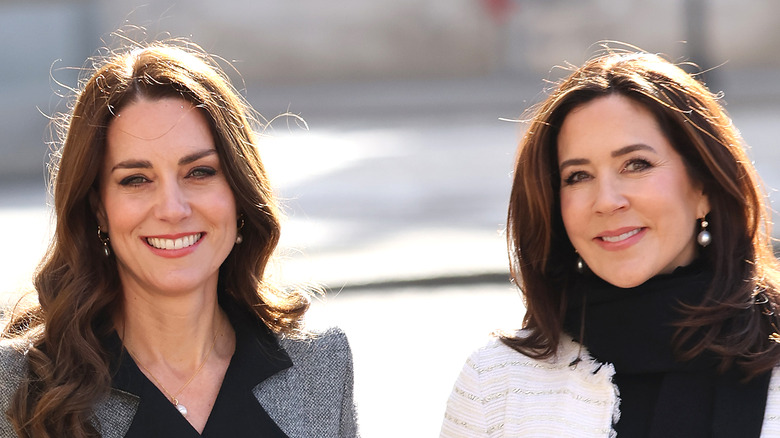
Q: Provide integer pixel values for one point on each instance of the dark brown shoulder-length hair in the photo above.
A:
(542, 259)
(77, 285)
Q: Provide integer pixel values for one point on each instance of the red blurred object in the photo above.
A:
(498, 9)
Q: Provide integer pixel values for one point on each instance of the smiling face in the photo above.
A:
(165, 203)
(628, 203)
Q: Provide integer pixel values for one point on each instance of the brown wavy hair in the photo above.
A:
(542, 259)
(78, 286)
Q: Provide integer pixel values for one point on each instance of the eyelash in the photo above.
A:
(204, 172)
(573, 177)
(579, 175)
(196, 173)
(645, 164)
(133, 181)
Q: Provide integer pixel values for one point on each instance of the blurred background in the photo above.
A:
(396, 193)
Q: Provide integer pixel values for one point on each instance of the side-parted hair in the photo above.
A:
(78, 286)
(542, 259)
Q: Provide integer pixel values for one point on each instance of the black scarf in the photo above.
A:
(660, 396)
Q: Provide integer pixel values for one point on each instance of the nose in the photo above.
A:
(172, 202)
(610, 196)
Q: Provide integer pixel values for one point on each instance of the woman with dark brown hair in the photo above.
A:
(638, 234)
(154, 315)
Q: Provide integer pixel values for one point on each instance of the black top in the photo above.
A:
(661, 396)
(236, 412)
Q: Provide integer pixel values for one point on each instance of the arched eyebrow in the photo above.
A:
(632, 148)
(146, 164)
(614, 154)
(191, 158)
(132, 164)
(572, 162)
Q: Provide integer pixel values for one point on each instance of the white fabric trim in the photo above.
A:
(503, 393)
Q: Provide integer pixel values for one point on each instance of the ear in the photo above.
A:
(703, 206)
(96, 204)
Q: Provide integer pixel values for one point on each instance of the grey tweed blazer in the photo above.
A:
(313, 398)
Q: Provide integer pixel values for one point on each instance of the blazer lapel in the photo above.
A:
(114, 414)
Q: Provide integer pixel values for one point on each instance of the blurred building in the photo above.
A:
(314, 43)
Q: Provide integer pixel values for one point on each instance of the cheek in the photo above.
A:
(224, 204)
(116, 213)
(124, 213)
(571, 213)
(686, 200)
(122, 218)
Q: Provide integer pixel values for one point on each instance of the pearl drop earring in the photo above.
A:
(704, 238)
(104, 239)
(239, 237)
(580, 266)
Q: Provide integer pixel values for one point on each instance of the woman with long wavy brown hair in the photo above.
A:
(639, 237)
(154, 315)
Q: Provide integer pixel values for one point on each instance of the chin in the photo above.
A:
(623, 281)
(626, 284)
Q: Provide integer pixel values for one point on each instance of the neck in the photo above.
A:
(175, 331)
(634, 328)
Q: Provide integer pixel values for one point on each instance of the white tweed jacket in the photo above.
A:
(503, 393)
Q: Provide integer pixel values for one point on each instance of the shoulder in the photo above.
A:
(329, 342)
(495, 355)
(771, 425)
(12, 361)
(330, 345)
(503, 392)
(313, 397)
(320, 354)
(13, 366)
(497, 373)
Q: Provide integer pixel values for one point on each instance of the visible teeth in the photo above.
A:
(623, 236)
(181, 242)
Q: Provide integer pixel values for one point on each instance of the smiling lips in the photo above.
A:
(178, 243)
(620, 237)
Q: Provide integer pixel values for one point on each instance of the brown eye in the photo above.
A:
(575, 177)
(638, 165)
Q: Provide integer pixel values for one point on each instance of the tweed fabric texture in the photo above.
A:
(12, 370)
(503, 393)
(313, 398)
(320, 379)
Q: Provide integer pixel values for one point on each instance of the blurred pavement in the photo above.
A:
(395, 202)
